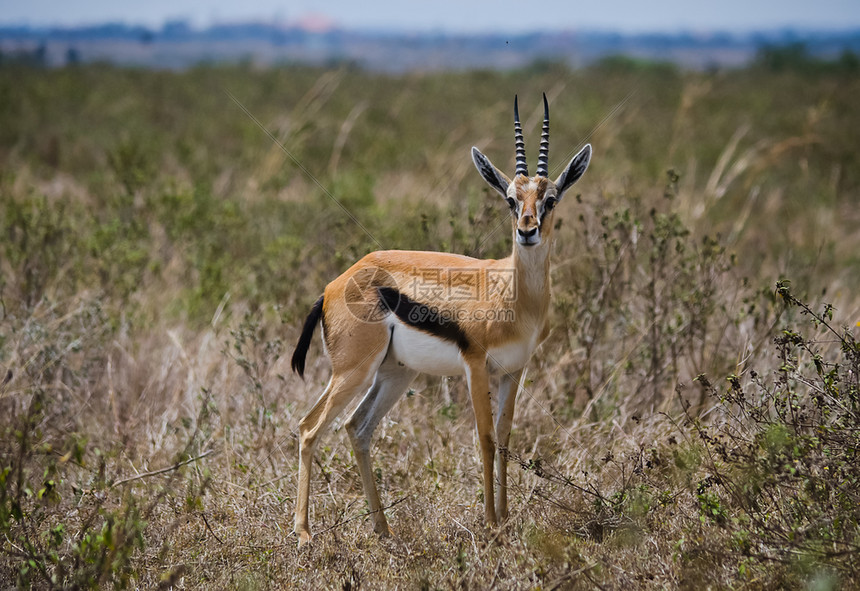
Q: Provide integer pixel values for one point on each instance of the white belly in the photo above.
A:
(424, 352)
(511, 356)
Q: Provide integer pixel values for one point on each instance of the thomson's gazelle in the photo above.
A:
(395, 313)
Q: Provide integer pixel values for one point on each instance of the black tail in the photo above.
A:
(298, 362)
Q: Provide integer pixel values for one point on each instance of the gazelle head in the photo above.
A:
(532, 199)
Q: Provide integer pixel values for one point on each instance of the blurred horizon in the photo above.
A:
(448, 16)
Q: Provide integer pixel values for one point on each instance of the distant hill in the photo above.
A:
(178, 45)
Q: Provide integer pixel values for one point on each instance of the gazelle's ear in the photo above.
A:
(494, 177)
(575, 169)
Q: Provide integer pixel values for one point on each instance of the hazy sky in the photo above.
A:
(455, 15)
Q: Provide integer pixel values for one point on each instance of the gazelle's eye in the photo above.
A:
(549, 203)
(512, 203)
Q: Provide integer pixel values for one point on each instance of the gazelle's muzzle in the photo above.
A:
(528, 227)
(529, 237)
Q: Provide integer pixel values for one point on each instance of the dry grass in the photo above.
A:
(154, 283)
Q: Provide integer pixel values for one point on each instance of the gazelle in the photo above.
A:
(395, 314)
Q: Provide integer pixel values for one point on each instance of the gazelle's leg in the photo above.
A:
(347, 381)
(390, 383)
(509, 384)
(318, 417)
(479, 389)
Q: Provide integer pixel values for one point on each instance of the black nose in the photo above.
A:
(527, 233)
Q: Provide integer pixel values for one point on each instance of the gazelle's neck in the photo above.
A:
(531, 264)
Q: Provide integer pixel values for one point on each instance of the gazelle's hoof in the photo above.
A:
(383, 530)
(304, 538)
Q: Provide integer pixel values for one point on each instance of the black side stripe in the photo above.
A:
(423, 317)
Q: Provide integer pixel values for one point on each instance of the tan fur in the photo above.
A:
(515, 291)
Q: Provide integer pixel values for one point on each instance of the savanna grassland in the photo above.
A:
(693, 420)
